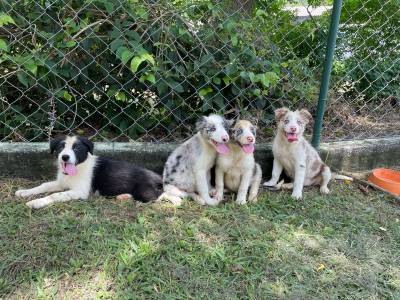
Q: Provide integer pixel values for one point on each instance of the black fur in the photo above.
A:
(81, 148)
(57, 144)
(112, 177)
(86, 143)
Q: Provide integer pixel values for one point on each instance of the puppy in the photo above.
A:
(238, 170)
(293, 153)
(80, 173)
(187, 170)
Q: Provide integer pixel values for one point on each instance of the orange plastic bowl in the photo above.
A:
(387, 179)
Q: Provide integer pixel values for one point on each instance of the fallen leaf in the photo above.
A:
(321, 267)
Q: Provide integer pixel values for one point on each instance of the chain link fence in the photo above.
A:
(136, 70)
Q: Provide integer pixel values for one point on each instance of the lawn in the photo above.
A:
(342, 246)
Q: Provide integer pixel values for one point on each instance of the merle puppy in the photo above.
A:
(187, 170)
(81, 173)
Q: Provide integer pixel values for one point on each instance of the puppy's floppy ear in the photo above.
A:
(55, 142)
(305, 115)
(229, 123)
(280, 113)
(87, 143)
(201, 123)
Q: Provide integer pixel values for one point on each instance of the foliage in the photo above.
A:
(130, 66)
(369, 48)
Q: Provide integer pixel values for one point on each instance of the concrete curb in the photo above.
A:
(32, 160)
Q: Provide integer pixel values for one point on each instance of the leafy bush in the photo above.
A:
(135, 68)
(369, 51)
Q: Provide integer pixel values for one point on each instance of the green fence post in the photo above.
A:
(323, 92)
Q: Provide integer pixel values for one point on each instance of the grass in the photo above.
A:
(343, 246)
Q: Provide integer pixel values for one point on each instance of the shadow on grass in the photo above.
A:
(345, 245)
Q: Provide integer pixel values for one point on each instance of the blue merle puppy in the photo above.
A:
(187, 170)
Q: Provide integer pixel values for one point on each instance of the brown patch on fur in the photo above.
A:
(305, 116)
(242, 124)
(280, 113)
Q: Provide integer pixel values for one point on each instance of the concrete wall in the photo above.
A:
(33, 160)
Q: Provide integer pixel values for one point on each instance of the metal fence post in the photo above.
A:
(323, 92)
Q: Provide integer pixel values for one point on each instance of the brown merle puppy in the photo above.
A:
(294, 154)
(237, 170)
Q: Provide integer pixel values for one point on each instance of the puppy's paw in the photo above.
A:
(38, 203)
(324, 190)
(124, 197)
(241, 201)
(213, 192)
(253, 198)
(23, 193)
(297, 195)
(212, 202)
(270, 183)
(219, 196)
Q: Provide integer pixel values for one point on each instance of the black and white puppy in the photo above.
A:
(81, 173)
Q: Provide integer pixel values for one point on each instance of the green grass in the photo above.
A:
(343, 246)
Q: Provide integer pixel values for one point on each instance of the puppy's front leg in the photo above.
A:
(299, 175)
(276, 173)
(202, 187)
(219, 183)
(57, 197)
(243, 187)
(47, 187)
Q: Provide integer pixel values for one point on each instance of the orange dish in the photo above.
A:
(386, 179)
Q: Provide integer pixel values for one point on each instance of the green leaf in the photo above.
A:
(252, 77)
(109, 7)
(120, 96)
(5, 19)
(3, 45)
(70, 44)
(142, 13)
(176, 86)
(234, 40)
(126, 55)
(137, 61)
(203, 92)
(149, 77)
(31, 66)
(257, 92)
(21, 75)
(67, 96)
(272, 77)
(149, 58)
(227, 80)
(217, 80)
(115, 44)
(230, 25)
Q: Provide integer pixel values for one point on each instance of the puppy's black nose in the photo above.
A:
(65, 157)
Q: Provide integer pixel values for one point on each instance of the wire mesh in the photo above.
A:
(135, 70)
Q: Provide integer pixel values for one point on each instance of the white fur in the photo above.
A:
(238, 170)
(299, 159)
(196, 158)
(67, 187)
(295, 157)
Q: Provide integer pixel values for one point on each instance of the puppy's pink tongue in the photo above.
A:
(222, 148)
(70, 169)
(248, 148)
(291, 137)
